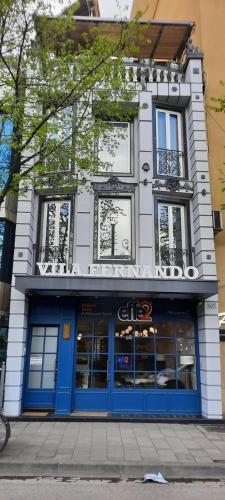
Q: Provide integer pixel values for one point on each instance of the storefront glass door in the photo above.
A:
(92, 365)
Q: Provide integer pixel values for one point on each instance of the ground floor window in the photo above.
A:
(159, 355)
(43, 357)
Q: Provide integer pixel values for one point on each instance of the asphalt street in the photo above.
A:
(54, 489)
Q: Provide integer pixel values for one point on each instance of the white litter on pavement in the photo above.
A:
(156, 478)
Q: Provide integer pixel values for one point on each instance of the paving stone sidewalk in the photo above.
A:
(115, 443)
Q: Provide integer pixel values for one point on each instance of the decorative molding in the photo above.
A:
(114, 185)
(173, 185)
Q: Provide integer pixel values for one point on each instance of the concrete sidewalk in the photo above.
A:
(114, 450)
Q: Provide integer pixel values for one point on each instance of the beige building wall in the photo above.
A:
(209, 36)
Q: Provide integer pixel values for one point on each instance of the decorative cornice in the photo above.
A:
(113, 184)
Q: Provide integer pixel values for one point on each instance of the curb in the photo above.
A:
(111, 471)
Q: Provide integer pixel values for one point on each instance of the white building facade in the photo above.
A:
(113, 302)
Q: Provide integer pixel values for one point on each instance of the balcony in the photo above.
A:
(170, 162)
(148, 72)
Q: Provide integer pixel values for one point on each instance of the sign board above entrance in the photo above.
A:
(118, 271)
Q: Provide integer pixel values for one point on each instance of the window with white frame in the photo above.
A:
(170, 155)
(114, 228)
(172, 234)
(55, 228)
(114, 149)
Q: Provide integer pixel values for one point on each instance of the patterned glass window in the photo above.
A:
(114, 228)
(55, 231)
(114, 153)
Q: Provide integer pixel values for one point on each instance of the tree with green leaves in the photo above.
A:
(58, 88)
(219, 107)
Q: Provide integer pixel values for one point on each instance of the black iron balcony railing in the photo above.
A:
(170, 162)
(54, 254)
(174, 257)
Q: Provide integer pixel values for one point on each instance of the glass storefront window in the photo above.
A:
(159, 355)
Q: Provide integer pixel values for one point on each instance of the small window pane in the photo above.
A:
(144, 380)
(143, 362)
(38, 330)
(185, 329)
(162, 130)
(100, 345)
(84, 344)
(124, 362)
(114, 229)
(187, 379)
(36, 362)
(144, 345)
(52, 331)
(124, 380)
(100, 362)
(49, 362)
(83, 380)
(165, 345)
(101, 328)
(51, 344)
(124, 345)
(174, 132)
(84, 361)
(99, 380)
(37, 344)
(166, 379)
(48, 381)
(84, 329)
(164, 329)
(34, 381)
(185, 346)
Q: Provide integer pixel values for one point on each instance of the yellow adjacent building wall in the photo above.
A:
(209, 36)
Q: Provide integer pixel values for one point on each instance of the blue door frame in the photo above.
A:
(65, 398)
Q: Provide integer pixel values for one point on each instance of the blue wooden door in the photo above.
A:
(40, 380)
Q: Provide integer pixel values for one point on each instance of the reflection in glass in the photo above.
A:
(187, 379)
(84, 344)
(144, 380)
(36, 362)
(37, 344)
(124, 380)
(99, 380)
(100, 362)
(114, 228)
(50, 362)
(34, 381)
(164, 345)
(48, 380)
(143, 362)
(55, 231)
(114, 155)
(185, 329)
(83, 380)
(123, 362)
(101, 328)
(172, 245)
(51, 344)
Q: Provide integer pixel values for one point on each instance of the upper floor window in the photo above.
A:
(6, 129)
(114, 228)
(172, 234)
(55, 231)
(169, 138)
(114, 153)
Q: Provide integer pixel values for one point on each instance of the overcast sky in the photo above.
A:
(111, 8)
(108, 8)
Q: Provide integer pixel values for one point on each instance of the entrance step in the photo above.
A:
(89, 414)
